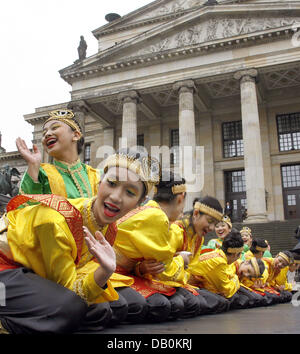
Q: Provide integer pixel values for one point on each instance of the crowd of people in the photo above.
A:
(80, 252)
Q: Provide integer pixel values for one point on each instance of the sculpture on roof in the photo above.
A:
(82, 48)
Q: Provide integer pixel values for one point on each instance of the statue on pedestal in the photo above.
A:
(82, 48)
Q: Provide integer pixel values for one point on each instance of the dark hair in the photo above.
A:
(258, 242)
(232, 240)
(209, 201)
(288, 254)
(168, 180)
(261, 266)
(80, 142)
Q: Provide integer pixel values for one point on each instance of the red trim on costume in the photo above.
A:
(60, 204)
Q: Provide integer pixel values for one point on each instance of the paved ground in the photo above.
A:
(276, 319)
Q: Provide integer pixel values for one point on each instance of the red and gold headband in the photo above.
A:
(255, 266)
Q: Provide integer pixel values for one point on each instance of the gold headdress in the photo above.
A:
(147, 168)
(208, 211)
(235, 250)
(246, 230)
(255, 266)
(227, 220)
(288, 259)
(179, 188)
(66, 116)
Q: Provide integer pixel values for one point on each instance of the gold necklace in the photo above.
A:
(89, 217)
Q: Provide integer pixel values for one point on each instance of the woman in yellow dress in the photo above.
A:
(63, 140)
(56, 258)
(144, 237)
(214, 272)
(222, 229)
(189, 233)
(258, 249)
(277, 270)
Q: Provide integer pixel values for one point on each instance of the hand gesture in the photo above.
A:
(186, 257)
(101, 250)
(33, 157)
(151, 266)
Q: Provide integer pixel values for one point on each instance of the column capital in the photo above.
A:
(78, 106)
(129, 96)
(185, 86)
(248, 75)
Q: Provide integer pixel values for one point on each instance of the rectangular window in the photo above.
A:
(140, 140)
(233, 144)
(174, 157)
(87, 154)
(291, 176)
(288, 127)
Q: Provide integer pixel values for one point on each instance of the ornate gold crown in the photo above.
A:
(255, 265)
(148, 168)
(66, 116)
(227, 220)
(208, 211)
(246, 230)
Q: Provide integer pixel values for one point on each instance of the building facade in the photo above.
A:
(222, 75)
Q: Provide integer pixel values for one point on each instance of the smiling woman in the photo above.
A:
(56, 271)
(63, 140)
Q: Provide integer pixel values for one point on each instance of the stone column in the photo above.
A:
(187, 137)
(255, 185)
(130, 100)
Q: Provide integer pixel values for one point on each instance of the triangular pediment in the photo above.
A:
(154, 10)
(206, 26)
(164, 8)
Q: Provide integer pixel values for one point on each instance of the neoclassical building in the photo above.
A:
(221, 75)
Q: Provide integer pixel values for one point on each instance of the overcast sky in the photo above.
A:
(40, 37)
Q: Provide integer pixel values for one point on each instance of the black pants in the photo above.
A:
(239, 301)
(162, 308)
(130, 307)
(37, 305)
(193, 305)
(215, 303)
(255, 300)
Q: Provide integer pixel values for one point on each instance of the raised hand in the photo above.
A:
(31, 157)
(101, 250)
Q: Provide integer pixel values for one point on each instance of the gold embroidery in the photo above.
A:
(78, 287)
(72, 173)
(2, 329)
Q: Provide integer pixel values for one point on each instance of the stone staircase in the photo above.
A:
(279, 234)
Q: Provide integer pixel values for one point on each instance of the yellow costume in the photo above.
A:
(282, 279)
(213, 273)
(40, 238)
(144, 234)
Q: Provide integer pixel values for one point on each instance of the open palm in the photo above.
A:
(31, 157)
(101, 250)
